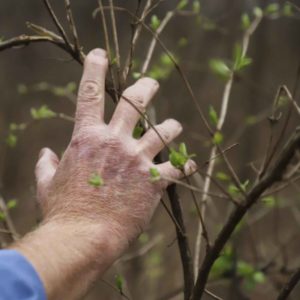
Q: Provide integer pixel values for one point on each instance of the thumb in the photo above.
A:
(45, 169)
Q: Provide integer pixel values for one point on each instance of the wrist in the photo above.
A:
(70, 254)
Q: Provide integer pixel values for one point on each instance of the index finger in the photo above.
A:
(90, 103)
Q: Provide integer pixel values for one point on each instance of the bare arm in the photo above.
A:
(98, 198)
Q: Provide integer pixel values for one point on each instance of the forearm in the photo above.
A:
(68, 257)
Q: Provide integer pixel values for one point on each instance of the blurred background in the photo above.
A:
(40, 81)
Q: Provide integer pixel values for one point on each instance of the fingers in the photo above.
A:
(169, 172)
(45, 169)
(90, 106)
(156, 139)
(133, 102)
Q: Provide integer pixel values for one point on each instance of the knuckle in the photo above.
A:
(89, 90)
(137, 101)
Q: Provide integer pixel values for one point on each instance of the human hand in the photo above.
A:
(122, 195)
(100, 196)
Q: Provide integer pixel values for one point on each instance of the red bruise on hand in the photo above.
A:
(128, 197)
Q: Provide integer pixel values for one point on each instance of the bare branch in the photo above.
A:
(289, 286)
(57, 24)
(73, 29)
(274, 175)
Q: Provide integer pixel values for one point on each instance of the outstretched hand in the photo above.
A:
(104, 174)
(100, 196)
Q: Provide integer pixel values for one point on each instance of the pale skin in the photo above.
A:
(87, 227)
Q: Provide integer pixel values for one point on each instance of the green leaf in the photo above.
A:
(257, 11)
(240, 61)
(244, 269)
(42, 113)
(166, 60)
(71, 87)
(287, 10)
(259, 277)
(222, 176)
(218, 138)
(213, 116)
(245, 21)
(179, 158)
(182, 42)
(269, 201)
(119, 282)
(2, 216)
(11, 204)
(196, 7)
(183, 149)
(155, 22)
(182, 4)
(96, 180)
(272, 9)
(143, 238)
(137, 132)
(220, 68)
(154, 174)
(233, 190)
(136, 75)
(11, 140)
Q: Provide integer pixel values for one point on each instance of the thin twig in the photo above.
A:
(107, 45)
(58, 24)
(211, 165)
(163, 24)
(8, 220)
(289, 286)
(135, 36)
(274, 175)
(73, 28)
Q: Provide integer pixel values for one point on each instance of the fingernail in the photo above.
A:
(100, 53)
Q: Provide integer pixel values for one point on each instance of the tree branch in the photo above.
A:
(274, 175)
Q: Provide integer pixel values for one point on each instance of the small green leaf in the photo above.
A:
(233, 190)
(11, 140)
(182, 4)
(155, 22)
(245, 21)
(166, 60)
(196, 6)
(119, 282)
(154, 174)
(259, 277)
(218, 138)
(71, 87)
(287, 10)
(136, 75)
(272, 9)
(269, 201)
(222, 176)
(183, 149)
(143, 238)
(219, 68)
(240, 61)
(213, 116)
(11, 204)
(257, 11)
(2, 216)
(182, 42)
(179, 158)
(42, 113)
(244, 269)
(137, 132)
(96, 180)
